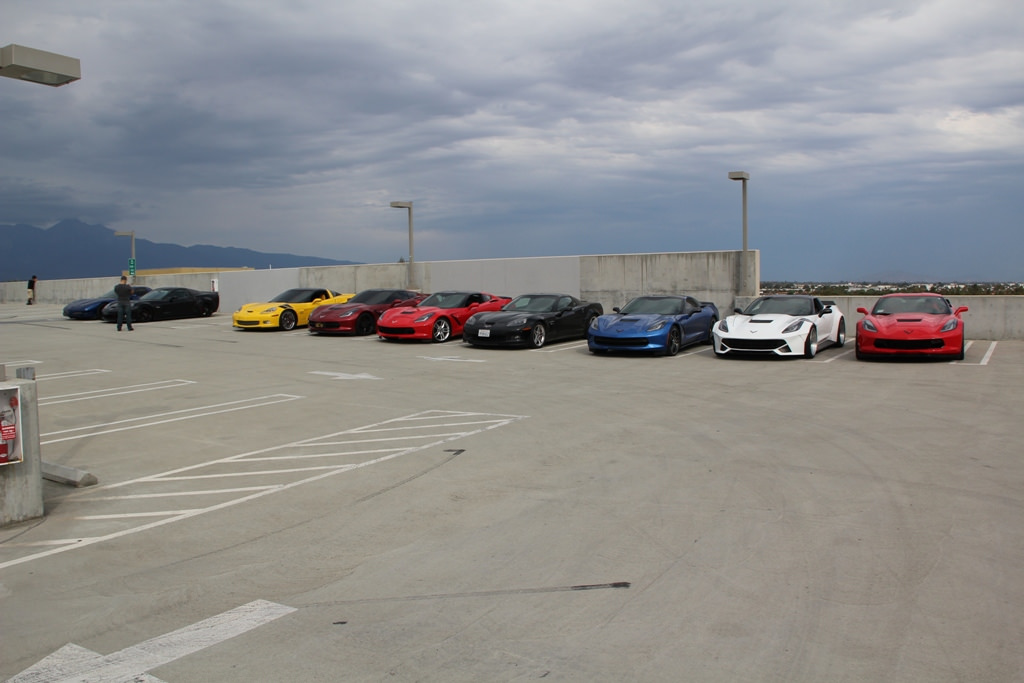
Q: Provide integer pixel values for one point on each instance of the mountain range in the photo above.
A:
(72, 249)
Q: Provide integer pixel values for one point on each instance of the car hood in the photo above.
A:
(909, 321)
(630, 323)
(761, 324)
(409, 313)
(501, 317)
(336, 309)
(88, 303)
(257, 307)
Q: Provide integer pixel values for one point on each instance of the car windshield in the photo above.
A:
(371, 297)
(108, 295)
(529, 303)
(935, 305)
(653, 305)
(156, 295)
(298, 296)
(780, 305)
(448, 300)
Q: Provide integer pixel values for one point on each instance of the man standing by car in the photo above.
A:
(124, 303)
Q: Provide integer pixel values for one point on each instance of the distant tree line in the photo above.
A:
(879, 288)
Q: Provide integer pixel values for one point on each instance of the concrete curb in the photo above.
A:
(62, 474)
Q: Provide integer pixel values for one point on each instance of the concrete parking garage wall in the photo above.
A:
(609, 279)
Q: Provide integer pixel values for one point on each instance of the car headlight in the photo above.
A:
(868, 325)
(347, 314)
(424, 318)
(950, 325)
(593, 323)
(517, 322)
(268, 311)
(794, 326)
(656, 325)
(723, 326)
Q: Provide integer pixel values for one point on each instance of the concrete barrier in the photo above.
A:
(610, 279)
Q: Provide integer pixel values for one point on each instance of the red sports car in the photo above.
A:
(359, 314)
(911, 324)
(438, 318)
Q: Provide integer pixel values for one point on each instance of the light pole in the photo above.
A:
(408, 205)
(38, 66)
(744, 177)
(131, 263)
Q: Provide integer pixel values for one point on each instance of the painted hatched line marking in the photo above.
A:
(442, 422)
(115, 391)
(163, 418)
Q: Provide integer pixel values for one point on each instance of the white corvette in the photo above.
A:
(783, 325)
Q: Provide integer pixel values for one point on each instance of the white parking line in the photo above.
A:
(429, 429)
(70, 373)
(73, 663)
(172, 416)
(114, 391)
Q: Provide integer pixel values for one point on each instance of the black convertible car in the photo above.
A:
(532, 320)
(168, 302)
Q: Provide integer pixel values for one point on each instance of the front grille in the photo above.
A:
(325, 326)
(754, 344)
(625, 342)
(247, 323)
(395, 330)
(909, 344)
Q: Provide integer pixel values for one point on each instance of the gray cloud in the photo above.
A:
(877, 134)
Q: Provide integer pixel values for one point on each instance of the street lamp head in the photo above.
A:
(739, 175)
(38, 66)
(401, 205)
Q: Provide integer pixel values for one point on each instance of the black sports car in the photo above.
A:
(532, 320)
(92, 309)
(168, 302)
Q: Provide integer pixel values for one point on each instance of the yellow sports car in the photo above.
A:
(287, 310)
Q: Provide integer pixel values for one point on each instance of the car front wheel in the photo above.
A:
(811, 345)
(841, 335)
(365, 325)
(442, 331)
(674, 341)
(287, 320)
(537, 336)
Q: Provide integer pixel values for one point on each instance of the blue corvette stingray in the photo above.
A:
(659, 324)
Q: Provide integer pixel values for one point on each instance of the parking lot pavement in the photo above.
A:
(279, 506)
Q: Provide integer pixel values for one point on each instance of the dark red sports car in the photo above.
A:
(438, 318)
(359, 314)
(921, 324)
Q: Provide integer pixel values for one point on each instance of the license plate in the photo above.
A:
(483, 333)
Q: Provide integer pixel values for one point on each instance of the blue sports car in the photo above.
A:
(659, 324)
(92, 309)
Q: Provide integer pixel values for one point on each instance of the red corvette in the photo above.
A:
(359, 314)
(911, 324)
(438, 318)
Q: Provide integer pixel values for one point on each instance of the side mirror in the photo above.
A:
(962, 309)
(862, 310)
(616, 309)
(737, 310)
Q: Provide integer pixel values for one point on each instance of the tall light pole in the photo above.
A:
(131, 263)
(742, 176)
(408, 205)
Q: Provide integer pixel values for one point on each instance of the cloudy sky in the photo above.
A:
(884, 138)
